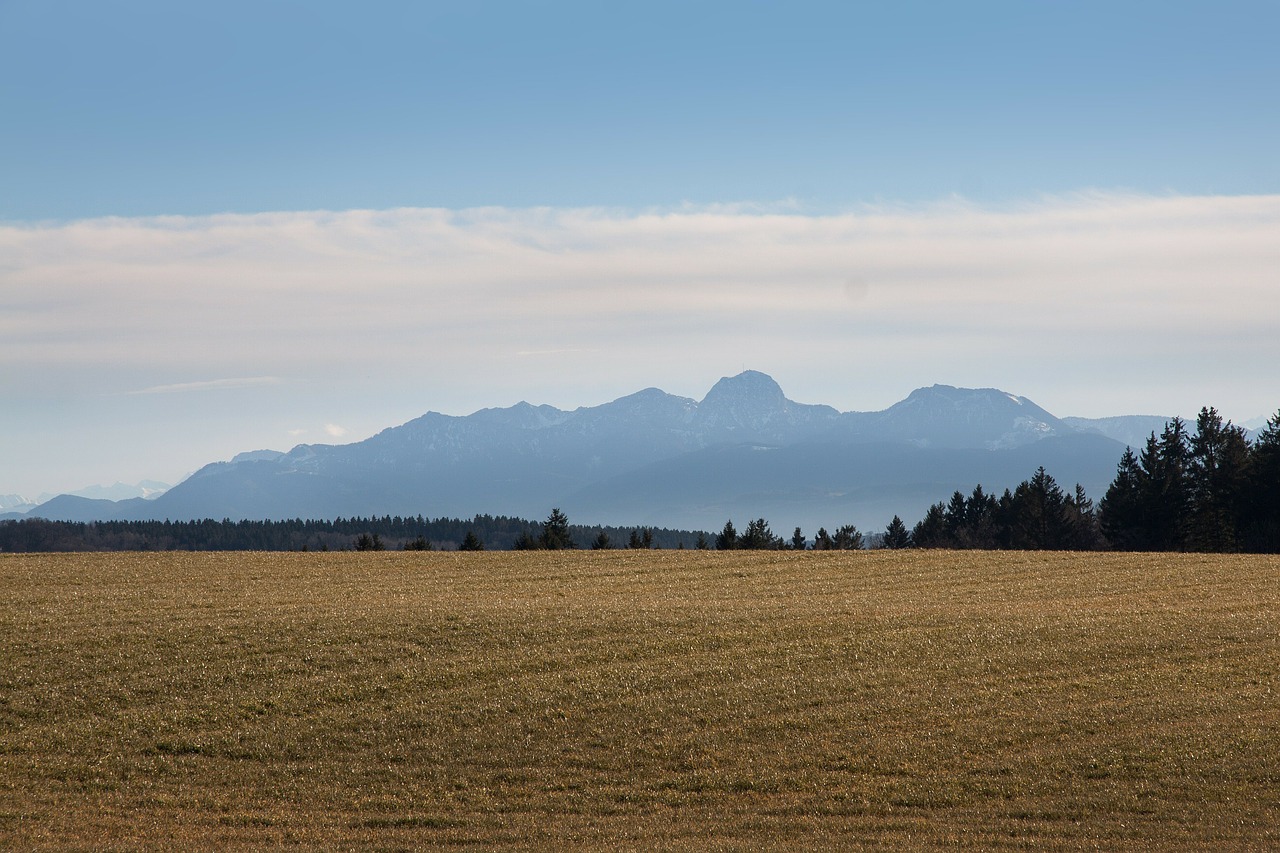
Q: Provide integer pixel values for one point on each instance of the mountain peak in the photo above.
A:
(747, 385)
(944, 415)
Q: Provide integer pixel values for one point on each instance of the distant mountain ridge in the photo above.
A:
(651, 457)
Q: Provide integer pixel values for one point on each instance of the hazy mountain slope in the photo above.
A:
(826, 483)
(649, 456)
(1132, 430)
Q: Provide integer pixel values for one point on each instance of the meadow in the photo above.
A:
(639, 700)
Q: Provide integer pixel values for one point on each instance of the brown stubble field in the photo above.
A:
(640, 700)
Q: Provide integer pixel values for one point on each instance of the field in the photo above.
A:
(640, 700)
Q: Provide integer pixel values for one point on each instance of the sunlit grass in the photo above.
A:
(640, 700)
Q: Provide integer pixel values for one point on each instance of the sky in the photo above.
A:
(233, 226)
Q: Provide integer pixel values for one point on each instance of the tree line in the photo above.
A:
(341, 534)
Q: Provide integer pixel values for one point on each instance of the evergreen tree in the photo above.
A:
(1083, 531)
(471, 542)
(931, 531)
(1122, 508)
(635, 542)
(956, 519)
(1262, 498)
(1039, 520)
(727, 540)
(702, 544)
(798, 542)
(601, 542)
(419, 544)
(1218, 474)
(980, 530)
(823, 541)
(896, 535)
(555, 532)
(848, 538)
(758, 536)
(1166, 498)
(526, 541)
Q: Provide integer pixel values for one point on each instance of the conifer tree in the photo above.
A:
(727, 540)
(848, 538)
(896, 535)
(758, 536)
(555, 532)
(1262, 515)
(1121, 509)
(1217, 476)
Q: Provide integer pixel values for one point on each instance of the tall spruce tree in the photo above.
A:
(727, 538)
(896, 535)
(1122, 508)
(1039, 521)
(1262, 515)
(931, 531)
(1166, 498)
(758, 536)
(1218, 475)
(555, 532)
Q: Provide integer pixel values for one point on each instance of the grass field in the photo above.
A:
(640, 700)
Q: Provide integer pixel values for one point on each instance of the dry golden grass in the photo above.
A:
(639, 700)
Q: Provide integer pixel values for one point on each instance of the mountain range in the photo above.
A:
(652, 458)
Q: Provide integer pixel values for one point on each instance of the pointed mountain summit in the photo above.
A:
(751, 407)
(750, 388)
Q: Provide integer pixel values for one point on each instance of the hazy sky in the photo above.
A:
(228, 226)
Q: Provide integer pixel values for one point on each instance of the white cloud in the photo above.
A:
(210, 385)
(1092, 303)
(334, 431)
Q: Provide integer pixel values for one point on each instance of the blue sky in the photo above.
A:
(141, 108)
(238, 225)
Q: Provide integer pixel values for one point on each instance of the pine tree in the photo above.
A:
(1262, 517)
(823, 542)
(798, 542)
(931, 531)
(1166, 496)
(727, 540)
(758, 536)
(1121, 509)
(956, 519)
(980, 529)
(848, 538)
(1083, 532)
(1218, 474)
(1039, 519)
(471, 542)
(896, 535)
(601, 542)
(555, 532)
